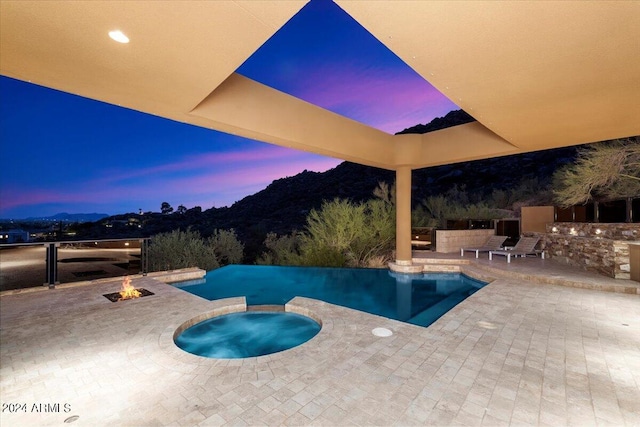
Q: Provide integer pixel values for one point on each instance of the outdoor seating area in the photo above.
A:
(492, 243)
(525, 246)
(515, 352)
(494, 246)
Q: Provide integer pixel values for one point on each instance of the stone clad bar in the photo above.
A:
(600, 247)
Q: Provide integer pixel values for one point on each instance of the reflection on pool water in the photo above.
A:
(419, 299)
(247, 334)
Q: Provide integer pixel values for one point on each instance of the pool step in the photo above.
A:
(447, 265)
(440, 268)
(453, 260)
(454, 265)
(440, 265)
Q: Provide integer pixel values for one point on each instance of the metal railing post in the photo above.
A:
(52, 265)
(144, 256)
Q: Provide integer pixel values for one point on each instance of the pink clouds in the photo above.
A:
(225, 186)
(374, 96)
(78, 163)
(17, 199)
(199, 161)
(232, 168)
(219, 179)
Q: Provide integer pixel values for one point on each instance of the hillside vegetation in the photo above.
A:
(282, 208)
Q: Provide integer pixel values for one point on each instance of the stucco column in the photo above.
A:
(403, 215)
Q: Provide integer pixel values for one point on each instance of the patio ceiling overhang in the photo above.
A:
(536, 75)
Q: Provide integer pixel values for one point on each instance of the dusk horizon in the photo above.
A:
(72, 154)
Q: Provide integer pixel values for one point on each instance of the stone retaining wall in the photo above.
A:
(599, 247)
(612, 231)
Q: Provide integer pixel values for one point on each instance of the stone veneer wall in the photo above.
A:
(449, 241)
(599, 247)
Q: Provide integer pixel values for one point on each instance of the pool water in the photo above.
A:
(247, 334)
(419, 299)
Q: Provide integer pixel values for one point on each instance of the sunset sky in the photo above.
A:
(64, 153)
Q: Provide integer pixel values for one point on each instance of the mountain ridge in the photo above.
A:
(282, 207)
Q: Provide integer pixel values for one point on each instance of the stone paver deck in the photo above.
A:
(517, 352)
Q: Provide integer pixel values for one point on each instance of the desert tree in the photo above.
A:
(342, 233)
(608, 170)
(166, 208)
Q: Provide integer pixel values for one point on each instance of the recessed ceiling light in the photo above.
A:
(118, 36)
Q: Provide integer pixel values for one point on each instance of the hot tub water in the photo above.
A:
(247, 334)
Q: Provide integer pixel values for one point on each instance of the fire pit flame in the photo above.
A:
(128, 291)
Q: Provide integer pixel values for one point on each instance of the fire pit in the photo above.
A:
(127, 292)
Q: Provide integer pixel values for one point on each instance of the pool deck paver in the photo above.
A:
(517, 352)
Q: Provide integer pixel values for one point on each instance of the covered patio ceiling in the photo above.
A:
(535, 75)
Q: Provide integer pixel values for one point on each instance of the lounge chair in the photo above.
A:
(525, 246)
(492, 244)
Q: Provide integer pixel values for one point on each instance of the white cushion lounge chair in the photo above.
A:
(492, 244)
(525, 246)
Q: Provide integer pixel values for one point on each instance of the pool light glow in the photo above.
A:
(381, 332)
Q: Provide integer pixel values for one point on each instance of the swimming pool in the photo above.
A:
(419, 299)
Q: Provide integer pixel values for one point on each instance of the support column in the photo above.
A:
(403, 215)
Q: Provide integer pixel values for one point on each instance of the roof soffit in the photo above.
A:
(247, 108)
(539, 74)
(471, 141)
(179, 51)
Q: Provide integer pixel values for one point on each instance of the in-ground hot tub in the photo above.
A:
(247, 334)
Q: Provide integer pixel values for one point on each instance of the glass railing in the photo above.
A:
(26, 265)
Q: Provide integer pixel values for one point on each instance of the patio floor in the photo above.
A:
(517, 352)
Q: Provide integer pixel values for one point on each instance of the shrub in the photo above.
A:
(226, 246)
(183, 249)
(323, 256)
(434, 211)
(281, 250)
(341, 233)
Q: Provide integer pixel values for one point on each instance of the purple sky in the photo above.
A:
(64, 153)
